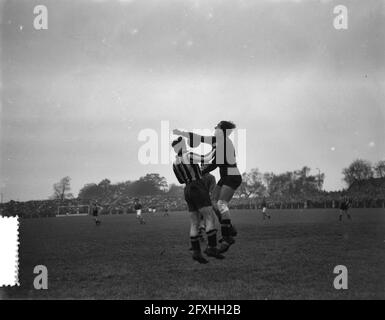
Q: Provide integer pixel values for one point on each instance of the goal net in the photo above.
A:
(73, 211)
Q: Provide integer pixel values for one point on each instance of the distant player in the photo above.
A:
(138, 208)
(344, 207)
(264, 209)
(94, 209)
(188, 172)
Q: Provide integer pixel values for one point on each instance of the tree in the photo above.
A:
(297, 184)
(252, 185)
(62, 189)
(267, 178)
(280, 185)
(143, 188)
(155, 180)
(379, 169)
(305, 184)
(150, 184)
(105, 184)
(358, 170)
(121, 189)
(175, 190)
(242, 190)
(90, 191)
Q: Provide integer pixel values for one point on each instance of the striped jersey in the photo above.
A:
(186, 167)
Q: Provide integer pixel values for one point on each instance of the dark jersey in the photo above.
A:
(137, 206)
(224, 156)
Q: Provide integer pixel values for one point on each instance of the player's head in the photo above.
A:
(179, 145)
(204, 166)
(224, 127)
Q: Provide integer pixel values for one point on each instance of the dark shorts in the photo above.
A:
(232, 181)
(197, 196)
(95, 213)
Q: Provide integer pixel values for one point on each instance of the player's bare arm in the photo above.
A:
(195, 138)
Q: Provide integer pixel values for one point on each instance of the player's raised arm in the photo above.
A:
(177, 174)
(194, 138)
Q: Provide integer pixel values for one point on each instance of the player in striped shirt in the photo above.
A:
(187, 170)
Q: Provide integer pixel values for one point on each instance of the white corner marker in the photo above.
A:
(9, 251)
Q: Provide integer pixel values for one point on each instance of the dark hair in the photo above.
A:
(176, 141)
(226, 125)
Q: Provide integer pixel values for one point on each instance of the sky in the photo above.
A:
(76, 97)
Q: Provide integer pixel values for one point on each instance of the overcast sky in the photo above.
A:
(76, 96)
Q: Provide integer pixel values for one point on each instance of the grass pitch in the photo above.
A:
(291, 256)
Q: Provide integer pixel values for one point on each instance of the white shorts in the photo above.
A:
(139, 213)
(264, 209)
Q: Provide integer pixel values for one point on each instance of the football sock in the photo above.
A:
(195, 245)
(212, 238)
(225, 227)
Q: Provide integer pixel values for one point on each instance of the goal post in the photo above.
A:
(73, 211)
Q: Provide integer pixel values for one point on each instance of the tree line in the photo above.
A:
(293, 184)
(150, 184)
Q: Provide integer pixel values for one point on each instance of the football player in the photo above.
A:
(344, 207)
(138, 208)
(264, 209)
(94, 209)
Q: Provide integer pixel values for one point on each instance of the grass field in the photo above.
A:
(291, 256)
